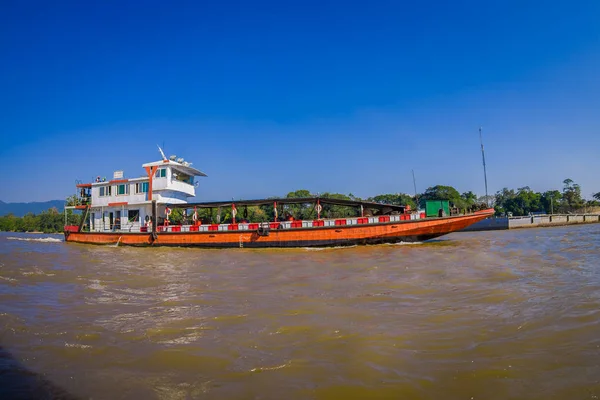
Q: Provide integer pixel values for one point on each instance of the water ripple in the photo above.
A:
(494, 315)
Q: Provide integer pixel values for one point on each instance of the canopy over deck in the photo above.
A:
(296, 200)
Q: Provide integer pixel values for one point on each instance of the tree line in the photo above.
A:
(49, 221)
(525, 201)
(519, 202)
(522, 201)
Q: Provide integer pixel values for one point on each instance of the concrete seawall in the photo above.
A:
(490, 224)
(532, 222)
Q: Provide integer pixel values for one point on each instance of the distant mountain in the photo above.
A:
(20, 209)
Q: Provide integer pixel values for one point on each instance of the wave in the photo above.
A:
(354, 245)
(328, 248)
(43, 240)
(78, 345)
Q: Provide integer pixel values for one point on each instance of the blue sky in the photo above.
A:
(269, 97)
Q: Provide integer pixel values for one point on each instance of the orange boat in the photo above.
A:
(137, 212)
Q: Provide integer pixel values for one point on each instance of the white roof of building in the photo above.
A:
(186, 169)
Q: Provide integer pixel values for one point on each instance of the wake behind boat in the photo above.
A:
(138, 212)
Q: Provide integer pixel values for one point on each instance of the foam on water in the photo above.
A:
(327, 248)
(349, 247)
(42, 240)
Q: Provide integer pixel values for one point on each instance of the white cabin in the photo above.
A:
(126, 204)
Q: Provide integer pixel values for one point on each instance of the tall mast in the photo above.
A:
(484, 171)
(415, 186)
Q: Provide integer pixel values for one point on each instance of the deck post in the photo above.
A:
(153, 219)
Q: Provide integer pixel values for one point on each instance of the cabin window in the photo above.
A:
(133, 215)
(122, 189)
(141, 187)
(161, 173)
(180, 176)
(105, 191)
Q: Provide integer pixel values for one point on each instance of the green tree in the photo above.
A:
(440, 192)
(30, 223)
(523, 202)
(551, 201)
(50, 221)
(299, 194)
(529, 201)
(258, 214)
(334, 211)
(592, 203)
(72, 218)
(72, 200)
(502, 200)
(469, 198)
(400, 199)
(8, 223)
(571, 195)
(177, 216)
(299, 211)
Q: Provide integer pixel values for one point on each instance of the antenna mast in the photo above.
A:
(484, 171)
(415, 186)
(161, 152)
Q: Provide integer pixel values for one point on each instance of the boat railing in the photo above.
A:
(262, 226)
(296, 224)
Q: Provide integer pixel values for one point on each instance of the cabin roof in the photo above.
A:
(297, 200)
(186, 169)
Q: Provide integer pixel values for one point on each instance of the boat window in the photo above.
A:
(133, 215)
(161, 172)
(141, 187)
(122, 189)
(105, 191)
(180, 176)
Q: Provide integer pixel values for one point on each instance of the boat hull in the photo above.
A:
(345, 235)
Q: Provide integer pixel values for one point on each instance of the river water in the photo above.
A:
(482, 315)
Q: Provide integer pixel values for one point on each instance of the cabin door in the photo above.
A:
(111, 220)
(118, 220)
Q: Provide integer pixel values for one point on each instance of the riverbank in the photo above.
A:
(536, 221)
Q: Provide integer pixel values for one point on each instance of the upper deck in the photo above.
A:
(166, 181)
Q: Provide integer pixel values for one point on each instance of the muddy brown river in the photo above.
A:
(482, 315)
